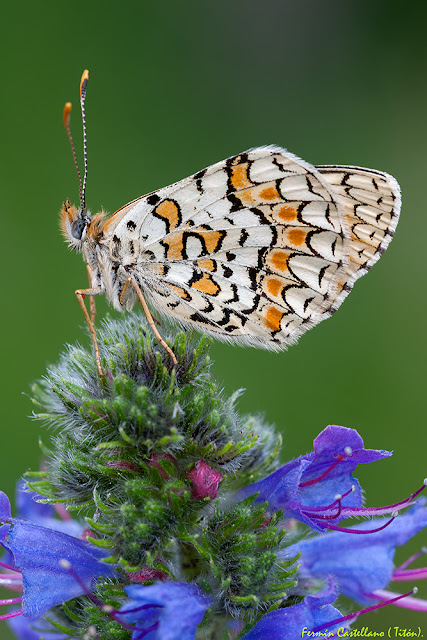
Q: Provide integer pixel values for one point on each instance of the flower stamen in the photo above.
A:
(356, 614)
(11, 614)
(406, 602)
(412, 559)
(361, 531)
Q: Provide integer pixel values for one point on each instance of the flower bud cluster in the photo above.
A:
(153, 455)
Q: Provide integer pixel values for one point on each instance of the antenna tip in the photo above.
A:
(66, 114)
(83, 81)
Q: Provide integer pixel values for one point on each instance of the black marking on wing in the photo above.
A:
(153, 199)
(236, 204)
(261, 257)
(253, 273)
(199, 176)
(243, 237)
(235, 297)
(344, 179)
(226, 271)
(322, 272)
(198, 317)
(261, 216)
(307, 302)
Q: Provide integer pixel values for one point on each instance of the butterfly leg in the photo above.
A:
(92, 298)
(81, 293)
(131, 280)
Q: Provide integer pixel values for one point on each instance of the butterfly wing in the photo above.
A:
(257, 248)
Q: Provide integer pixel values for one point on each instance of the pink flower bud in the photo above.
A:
(147, 573)
(87, 533)
(205, 480)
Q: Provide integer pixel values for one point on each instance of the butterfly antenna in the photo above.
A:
(66, 117)
(83, 86)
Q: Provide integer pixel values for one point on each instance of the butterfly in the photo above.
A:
(255, 249)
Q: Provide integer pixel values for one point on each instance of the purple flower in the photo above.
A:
(169, 611)
(319, 487)
(361, 564)
(299, 620)
(37, 552)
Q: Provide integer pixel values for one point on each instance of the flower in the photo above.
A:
(319, 487)
(205, 481)
(37, 553)
(169, 611)
(361, 564)
(299, 620)
(25, 629)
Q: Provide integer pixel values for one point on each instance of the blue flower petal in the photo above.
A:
(37, 552)
(298, 620)
(174, 609)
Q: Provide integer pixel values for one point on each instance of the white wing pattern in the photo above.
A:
(257, 248)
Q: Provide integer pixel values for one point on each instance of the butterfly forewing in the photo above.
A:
(259, 247)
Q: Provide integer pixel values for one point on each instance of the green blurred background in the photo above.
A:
(175, 86)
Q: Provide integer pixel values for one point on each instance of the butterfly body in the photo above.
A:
(254, 249)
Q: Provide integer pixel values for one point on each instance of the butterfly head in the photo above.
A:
(74, 225)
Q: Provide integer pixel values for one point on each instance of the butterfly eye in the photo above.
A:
(78, 228)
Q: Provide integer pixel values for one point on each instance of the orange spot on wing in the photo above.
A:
(206, 285)
(273, 317)
(297, 236)
(182, 293)
(270, 193)
(279, 259)
(212, 239)
(239, 177)
(175, 246)
(274, 286)
(207, 264)
(169, 211)
(287, 214)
